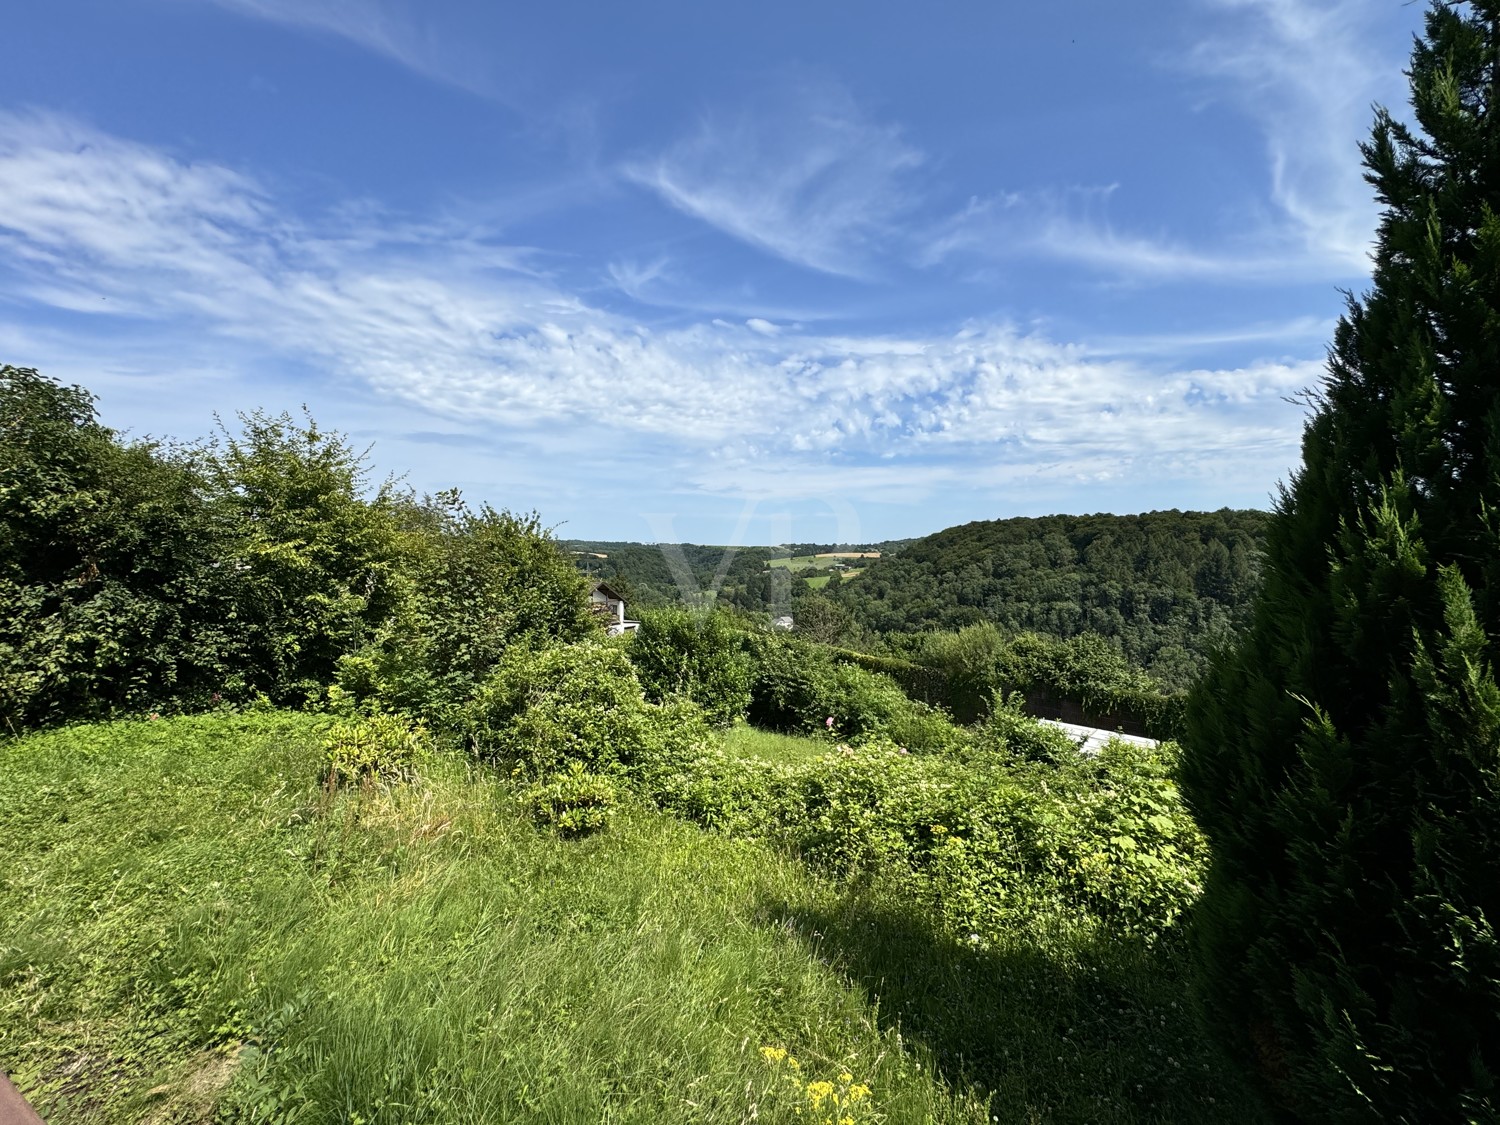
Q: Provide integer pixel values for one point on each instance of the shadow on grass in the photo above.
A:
(1100, 1032)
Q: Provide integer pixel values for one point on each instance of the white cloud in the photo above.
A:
(1306, 72)
(422, 315)
(1309, 72)
(385, 27)
(1074, 226)
(808, 178)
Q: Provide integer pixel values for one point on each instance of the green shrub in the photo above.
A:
(381, 747)
(1011, 733)
(572, 803)
(695, 656)
(581, 703)
(476, 582)
(114, 593)
(986, 842)
(799, 686)
(968, 662)
(784, 682)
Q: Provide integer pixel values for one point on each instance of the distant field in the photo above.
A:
(821, 562)
(819, 581)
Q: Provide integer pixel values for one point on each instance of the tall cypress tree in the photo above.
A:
(1345, 759)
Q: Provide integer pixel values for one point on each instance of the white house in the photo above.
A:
(611, 606)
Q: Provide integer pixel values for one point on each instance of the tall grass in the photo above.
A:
(744, 741)
(195, 927)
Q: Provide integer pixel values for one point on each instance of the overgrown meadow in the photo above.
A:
(331, 803)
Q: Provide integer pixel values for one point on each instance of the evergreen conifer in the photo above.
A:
(1344, 760)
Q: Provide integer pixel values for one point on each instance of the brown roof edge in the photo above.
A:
(14, 1109)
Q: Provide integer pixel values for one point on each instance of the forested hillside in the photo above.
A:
(650, 574)
(1166, 585)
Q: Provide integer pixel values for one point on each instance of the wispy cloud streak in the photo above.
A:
(384, 27)
(810, 179)
(437, 319)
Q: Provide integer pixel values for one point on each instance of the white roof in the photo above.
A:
(1092, 739)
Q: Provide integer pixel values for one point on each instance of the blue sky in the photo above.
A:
(710, 272)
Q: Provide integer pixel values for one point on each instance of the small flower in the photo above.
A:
(846, 1077)
(154, 716)
(773, 1054)
(828, 722)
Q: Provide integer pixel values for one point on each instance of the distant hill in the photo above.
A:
(654, 574)
(1166, 586)
(650, 574)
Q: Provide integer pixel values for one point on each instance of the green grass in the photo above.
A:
(196, 930)
(814, 562)
(817, 583)
(744, 741)
(194, 926)
(796, 562)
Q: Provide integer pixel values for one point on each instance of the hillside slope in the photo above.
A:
(1166, 585)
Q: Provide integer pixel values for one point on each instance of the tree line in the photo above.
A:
(259, 564)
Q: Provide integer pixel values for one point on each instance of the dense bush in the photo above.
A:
(378, 747)
(318, 558)
(549, 709)
(799, 686)
(969, 662)
(701, 657)
(119, 589)
(475, 582)
(1009, 732)
(572, 803)
(989, 841)
(140, 577)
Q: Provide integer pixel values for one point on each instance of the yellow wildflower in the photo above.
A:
(858, 1092)
(846, 1077)
(817, 1091)
(773, 1054)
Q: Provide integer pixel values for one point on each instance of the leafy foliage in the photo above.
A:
(318, 561)
(547, 710)
(377, 747)
(1166, 586)
(678, 653)
(799, 686)
(572, 803)
(144, 577)
(990, 840)
(474, 583)
(1345, 759)
(115, 590)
